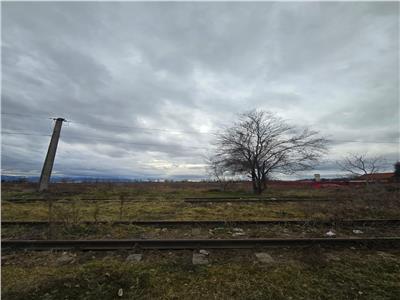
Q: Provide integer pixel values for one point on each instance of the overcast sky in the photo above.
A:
(115, 69)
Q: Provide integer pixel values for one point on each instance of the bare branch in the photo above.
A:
(260, 143)
(360, 164)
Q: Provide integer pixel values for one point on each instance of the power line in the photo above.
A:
(187, 131)
(105, 139)
(41, 116)
(145, 128)
(204, 133)
(138, 144)
(115, 126)
(97, 138)
(24, 133)
(366, 142)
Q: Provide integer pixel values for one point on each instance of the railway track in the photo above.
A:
(222, 200)
(252, 198)
(218, 222)
(172, 244)
(63, 200)
(186, 199)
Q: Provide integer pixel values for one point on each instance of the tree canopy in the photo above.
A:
(260, 143)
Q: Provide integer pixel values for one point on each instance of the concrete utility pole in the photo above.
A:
(51, 153)
(317, 177)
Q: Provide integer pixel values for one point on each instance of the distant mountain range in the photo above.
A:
(77, 179)
(8, 178)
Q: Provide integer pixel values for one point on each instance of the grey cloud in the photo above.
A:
(111, 67)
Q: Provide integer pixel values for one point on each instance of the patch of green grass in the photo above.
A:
(165, 202)
(355, 276)
(25, 211)
(93, 280)
(148, 210)
(179, 210)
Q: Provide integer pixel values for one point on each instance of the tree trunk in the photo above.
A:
(264, 181)
(259, 186)
(253, 181)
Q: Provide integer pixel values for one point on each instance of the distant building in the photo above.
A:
(377, 177)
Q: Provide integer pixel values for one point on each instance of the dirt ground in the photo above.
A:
(293, 273)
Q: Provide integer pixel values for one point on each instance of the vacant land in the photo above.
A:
(293, 273)
(166, 202)
(344, 274)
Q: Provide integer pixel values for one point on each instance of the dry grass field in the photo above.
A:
(295, 273)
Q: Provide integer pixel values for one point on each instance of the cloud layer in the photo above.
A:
(119, 71)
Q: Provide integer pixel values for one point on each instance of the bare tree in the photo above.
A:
(218, 172)
(361, 164)
(260, 143)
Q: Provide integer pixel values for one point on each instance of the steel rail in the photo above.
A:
(392, 242)
(186, 199)
(253, 198)
(194, 201)
(156, 198)
(63, 200)
(216, 222)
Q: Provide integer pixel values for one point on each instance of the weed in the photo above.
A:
(96, 211)
(360, 275)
